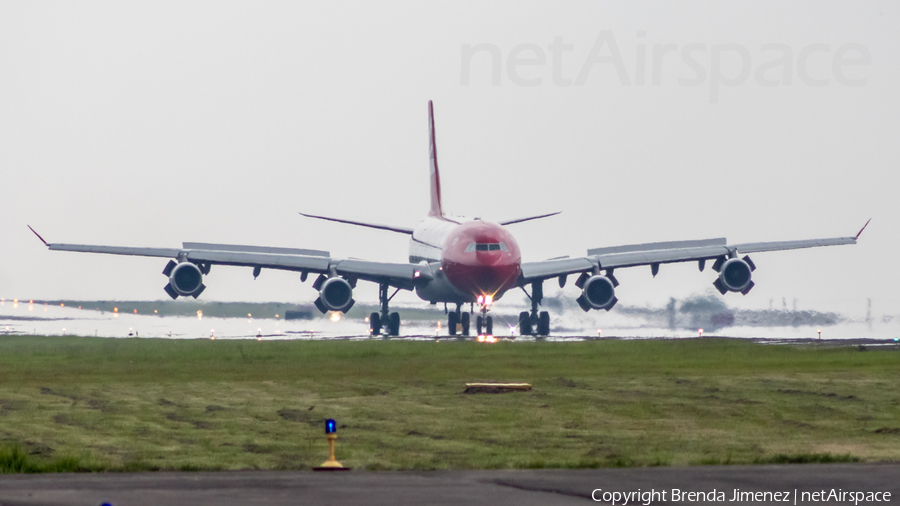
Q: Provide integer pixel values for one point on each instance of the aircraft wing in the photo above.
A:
(401, 275)
(654, 254)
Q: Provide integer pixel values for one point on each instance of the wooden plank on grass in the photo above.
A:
(496, 388)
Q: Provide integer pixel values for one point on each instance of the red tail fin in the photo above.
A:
(436, 209)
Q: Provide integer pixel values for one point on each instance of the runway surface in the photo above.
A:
(494, 488)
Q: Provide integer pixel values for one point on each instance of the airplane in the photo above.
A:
(457, 260)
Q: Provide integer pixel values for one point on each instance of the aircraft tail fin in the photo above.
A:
(436, 208)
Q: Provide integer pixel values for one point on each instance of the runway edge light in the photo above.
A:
(331, 464)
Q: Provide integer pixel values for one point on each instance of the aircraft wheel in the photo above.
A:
(524, 324)
(544, 324)
(451, 323)
(479, 324)
(489, 326)
(394, 324)
(464, 319)
(375, 324)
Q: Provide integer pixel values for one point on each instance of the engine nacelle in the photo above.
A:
(598, 292)
(735, 276)
(335, 294)
(184, 279)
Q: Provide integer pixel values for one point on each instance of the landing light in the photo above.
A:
(481, 299)
(335, 316)
(488, 300)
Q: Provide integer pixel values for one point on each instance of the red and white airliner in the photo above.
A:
(458, 261)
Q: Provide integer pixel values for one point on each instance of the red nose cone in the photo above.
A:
(481, 258)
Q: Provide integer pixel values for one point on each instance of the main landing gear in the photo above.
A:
(387, 321)
(535, 323)
(461, 318)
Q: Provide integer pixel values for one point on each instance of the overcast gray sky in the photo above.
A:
(153, 123)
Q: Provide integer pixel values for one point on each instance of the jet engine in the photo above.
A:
(335, 294)
(185, 279)
(734, 275)
(597, 292)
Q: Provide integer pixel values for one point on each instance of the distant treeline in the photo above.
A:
(711, 313)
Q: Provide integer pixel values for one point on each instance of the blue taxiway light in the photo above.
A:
(330, 426)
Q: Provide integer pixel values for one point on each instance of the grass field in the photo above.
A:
(70, 403)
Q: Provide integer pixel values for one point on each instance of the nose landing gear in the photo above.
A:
(485, 324)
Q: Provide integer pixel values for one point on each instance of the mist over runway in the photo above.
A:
(679, 319)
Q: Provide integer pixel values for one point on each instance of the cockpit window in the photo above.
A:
(486, 246)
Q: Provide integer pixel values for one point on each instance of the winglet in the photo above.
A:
(38, 235)
(861, 230)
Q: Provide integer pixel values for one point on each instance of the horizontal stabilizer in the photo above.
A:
(520, 220)
(401, 230)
